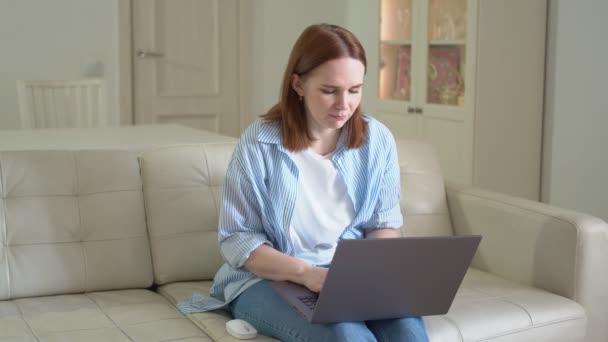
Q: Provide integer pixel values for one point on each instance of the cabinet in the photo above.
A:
(468, 77)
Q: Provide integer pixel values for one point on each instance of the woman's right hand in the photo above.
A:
(268, 263)
(314, 278)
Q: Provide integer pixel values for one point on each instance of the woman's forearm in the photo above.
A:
(268, 263)
(382, 233)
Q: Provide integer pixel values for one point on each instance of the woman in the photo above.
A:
(312, 171)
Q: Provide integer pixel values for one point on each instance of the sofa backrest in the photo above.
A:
(423, 200)
(183, 189)
(71, 221)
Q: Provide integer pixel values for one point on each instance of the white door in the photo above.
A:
(185, 63)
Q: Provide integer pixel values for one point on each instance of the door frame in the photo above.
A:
(125, 61)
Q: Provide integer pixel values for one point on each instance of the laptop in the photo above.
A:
(372, 279)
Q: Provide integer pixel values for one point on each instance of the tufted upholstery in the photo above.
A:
(423, 202)
(74, 222)
(487, 307)
(52, 222)
(84, 234)
(538, 245)
(111, 316)
(182, 187)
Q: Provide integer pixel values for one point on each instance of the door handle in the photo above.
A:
(148, 54)
(418, 110)
(410, 109)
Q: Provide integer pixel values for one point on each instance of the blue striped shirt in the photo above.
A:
(260, 192)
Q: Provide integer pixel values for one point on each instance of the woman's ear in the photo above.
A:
(296, 84)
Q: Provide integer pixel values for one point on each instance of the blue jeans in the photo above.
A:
(272, 316)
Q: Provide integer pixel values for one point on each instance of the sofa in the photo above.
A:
(100, 245)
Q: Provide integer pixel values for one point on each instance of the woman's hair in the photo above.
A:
(316, 45)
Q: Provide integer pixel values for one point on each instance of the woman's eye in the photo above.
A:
(333, 91)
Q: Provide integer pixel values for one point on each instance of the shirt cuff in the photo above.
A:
(237, 248)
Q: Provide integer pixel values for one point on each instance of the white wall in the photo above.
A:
(36, 44)
(63, 39)
(359, 15)
(58, 39)
(277, 25)
(575, 154)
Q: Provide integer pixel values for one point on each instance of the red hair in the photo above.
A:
(316, 45)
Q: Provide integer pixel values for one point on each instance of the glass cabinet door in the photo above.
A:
(395, 50)
(446, 58)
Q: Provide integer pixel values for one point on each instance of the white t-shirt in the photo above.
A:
(322, 210)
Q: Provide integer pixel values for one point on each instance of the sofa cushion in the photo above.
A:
(488, 307)
(71, 221)
(212, 323)
(485, 308)
(183, 189)
(128, 315)
(423, 201)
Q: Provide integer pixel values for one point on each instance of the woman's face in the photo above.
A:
(331, 92)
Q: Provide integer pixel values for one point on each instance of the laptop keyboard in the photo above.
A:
(309, 301)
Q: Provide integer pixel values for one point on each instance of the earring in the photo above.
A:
(301, 98)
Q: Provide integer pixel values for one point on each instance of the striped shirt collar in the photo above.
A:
(270, 133)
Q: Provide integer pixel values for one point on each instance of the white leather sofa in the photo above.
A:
(100, 245)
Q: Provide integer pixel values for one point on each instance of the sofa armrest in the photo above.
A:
(561, 251)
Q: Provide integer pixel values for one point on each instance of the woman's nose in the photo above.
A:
(341, 101)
